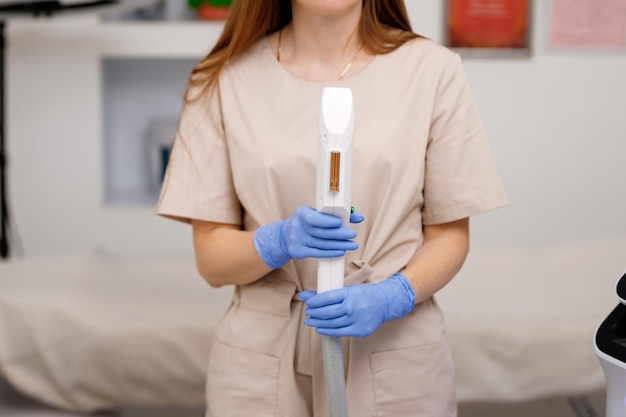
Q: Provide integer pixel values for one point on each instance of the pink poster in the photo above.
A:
(588, 23)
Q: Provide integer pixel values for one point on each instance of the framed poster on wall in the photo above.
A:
(588, 24)
(489, 28)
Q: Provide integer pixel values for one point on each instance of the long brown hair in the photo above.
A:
(384, 26)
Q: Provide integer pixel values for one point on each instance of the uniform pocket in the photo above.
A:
(415, 382)
(241, 383)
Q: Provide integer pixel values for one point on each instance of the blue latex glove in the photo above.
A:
(358, 310)
(306, 234)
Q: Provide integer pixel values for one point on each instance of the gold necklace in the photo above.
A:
(343, 73)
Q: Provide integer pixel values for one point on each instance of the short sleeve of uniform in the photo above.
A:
(460, 178)
(198, 183)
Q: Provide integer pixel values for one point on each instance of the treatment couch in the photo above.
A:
(93, 331)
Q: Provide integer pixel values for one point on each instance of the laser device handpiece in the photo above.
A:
(333, 194)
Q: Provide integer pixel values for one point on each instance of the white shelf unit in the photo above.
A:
(57, 128)
(145, 67)
(159, 39)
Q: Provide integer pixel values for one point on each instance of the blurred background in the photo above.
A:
(109, 90)
(92, 102)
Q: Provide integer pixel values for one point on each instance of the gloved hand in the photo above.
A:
(358, 310)
(306, 234)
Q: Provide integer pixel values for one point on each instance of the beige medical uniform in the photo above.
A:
(247, 155)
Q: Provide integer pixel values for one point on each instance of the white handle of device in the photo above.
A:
(334, 186)
(334, 172)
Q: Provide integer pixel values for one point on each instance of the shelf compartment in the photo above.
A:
(141, 103)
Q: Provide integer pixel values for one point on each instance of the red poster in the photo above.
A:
(488, 24)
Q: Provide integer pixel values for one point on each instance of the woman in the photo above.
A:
(242, 172)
